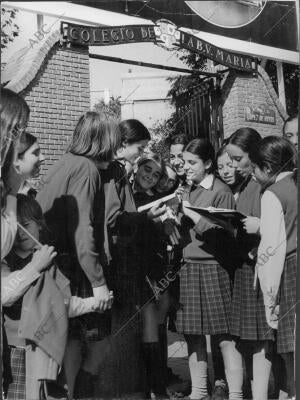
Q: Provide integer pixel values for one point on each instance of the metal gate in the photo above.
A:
(199, 111)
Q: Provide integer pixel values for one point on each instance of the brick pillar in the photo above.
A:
(242, 91)
(57, 96)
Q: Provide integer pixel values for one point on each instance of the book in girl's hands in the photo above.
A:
(171, 201)
(215, 213)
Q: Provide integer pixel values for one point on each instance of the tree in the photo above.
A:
(112, 109)
(182, 83)
(159, 134)
(9, 29)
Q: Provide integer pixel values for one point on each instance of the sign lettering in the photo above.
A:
(220, 56)
(164, 33)
(260, 114)
(106, 36)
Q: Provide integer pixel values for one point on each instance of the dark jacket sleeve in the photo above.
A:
(222, 240)
(222, 200)
(80, 225)
(121, 214)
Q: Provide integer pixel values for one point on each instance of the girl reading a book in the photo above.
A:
(273, 167)
(226, 171)
(205, 286)
(124, 224)
(248, 320)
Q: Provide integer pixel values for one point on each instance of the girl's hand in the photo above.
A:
(96, 307)
(251, 224)
(179, 191)
(171, 230)
(104, 298)
(156, 211)
(43, 257)
(272, 316)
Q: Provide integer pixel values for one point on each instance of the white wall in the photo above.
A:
(144, 97)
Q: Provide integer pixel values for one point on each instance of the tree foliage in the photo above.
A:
(159, 134)
(291, 75)
(9, 29)
(112, 109)
(182, 83)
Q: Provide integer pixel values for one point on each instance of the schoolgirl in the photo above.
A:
(28, 163)
(122, 217)
(248, 320)
(276, 259)
(14, 118)
(176, 144)
(227, 172)
(151, 250)
(205, 288)
(123, 222)
(168, 182)
(73, 205)
(29, 215)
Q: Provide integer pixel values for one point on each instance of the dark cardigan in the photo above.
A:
(207, 242)
(72, 202)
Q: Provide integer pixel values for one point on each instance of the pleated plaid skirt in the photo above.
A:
(205, 300)
(91, 327)
(16, 389)
(248, 319)
(287, 303)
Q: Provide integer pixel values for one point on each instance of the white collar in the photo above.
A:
(282, 175)
(207, 182)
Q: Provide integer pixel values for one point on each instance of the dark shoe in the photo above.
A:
(220, 391)
(154, 370)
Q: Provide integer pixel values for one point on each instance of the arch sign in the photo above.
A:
(163, 33)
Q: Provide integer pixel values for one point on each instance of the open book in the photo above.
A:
(171, 200)
(216, 213)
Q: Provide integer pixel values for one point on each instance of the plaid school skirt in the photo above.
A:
(248, 319)
(287, 303)
(17, 388)
(91, 327)
(205, 299)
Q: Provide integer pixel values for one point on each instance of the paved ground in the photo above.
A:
(178, 361)
(178, 357)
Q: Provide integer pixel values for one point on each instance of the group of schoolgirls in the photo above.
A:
(102, 243)
(252, 317)
(84, 200)
(225, 292)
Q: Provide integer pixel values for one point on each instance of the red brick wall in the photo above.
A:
(58, 95)
(242, 90)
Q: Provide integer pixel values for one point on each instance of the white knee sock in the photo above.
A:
(196, 345)
(234, 379)
(261, 375)
(233, 369)
(198, 370)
